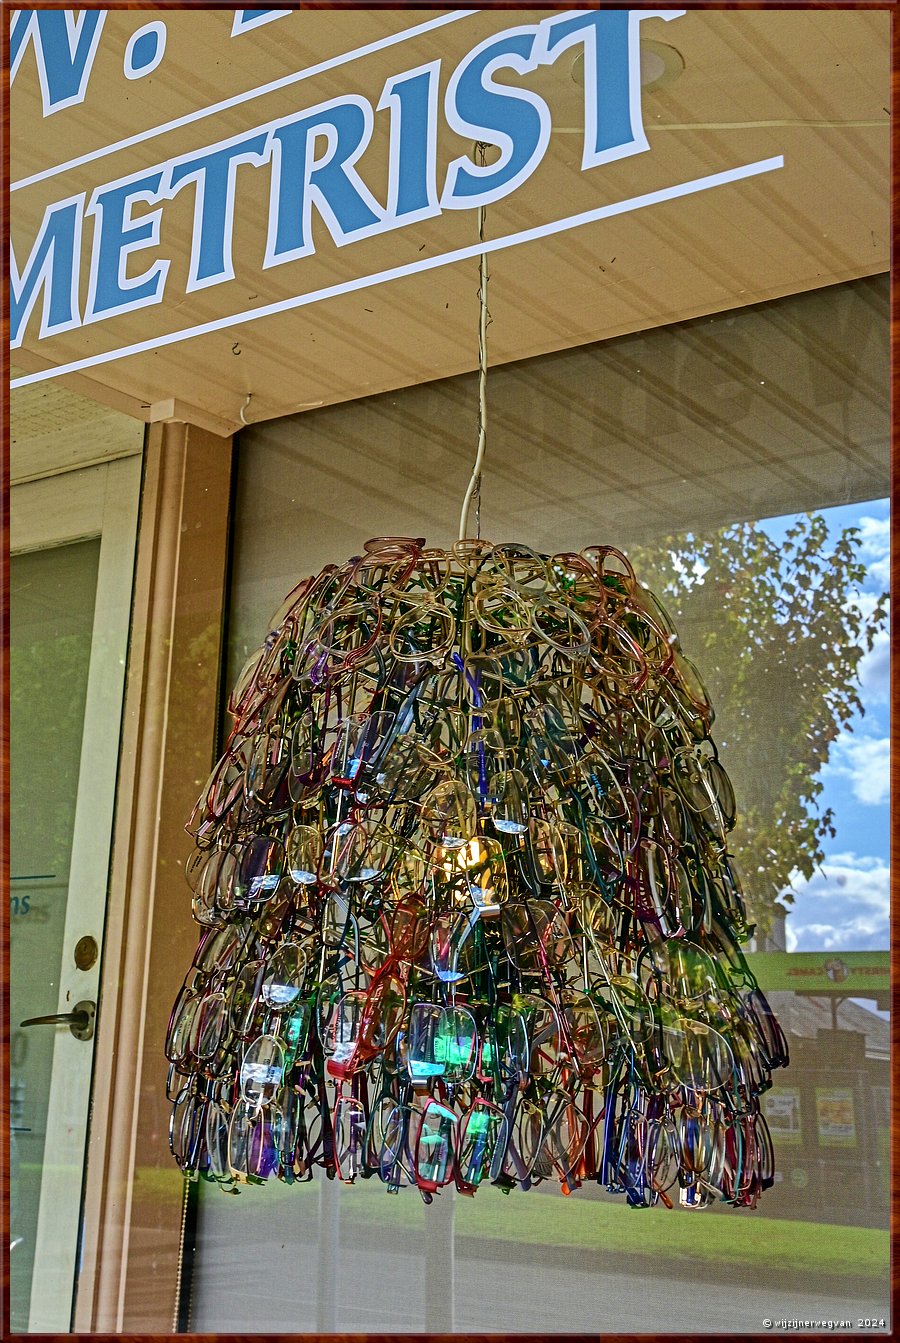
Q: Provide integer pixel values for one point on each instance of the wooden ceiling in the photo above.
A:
(812, 85)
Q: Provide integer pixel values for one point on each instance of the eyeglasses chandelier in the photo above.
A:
(470, 915)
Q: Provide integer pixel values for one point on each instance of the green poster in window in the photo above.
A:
(835, 1117)
(781, 1107)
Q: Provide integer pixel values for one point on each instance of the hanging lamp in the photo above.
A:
(469, 912)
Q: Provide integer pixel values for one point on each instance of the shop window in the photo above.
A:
(729, 455)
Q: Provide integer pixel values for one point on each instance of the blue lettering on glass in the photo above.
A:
(301, 179)
(116, 237)
(313, 154)
(215, 171)
(20, 28)
(50, 270)
(145, 50)
(515, 120)
(65, 45)
(613, 127)
(252, 18)
(412, 98)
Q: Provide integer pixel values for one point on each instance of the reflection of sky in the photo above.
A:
(844, 905)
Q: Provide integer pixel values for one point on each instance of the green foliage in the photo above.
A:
(778, 637)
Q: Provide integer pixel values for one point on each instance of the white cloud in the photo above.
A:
(843, 906)
(865, 602)
(875, 670)
(875, 548)
(879, 571)
(875, 535)
(866, 762)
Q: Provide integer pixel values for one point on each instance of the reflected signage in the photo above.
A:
(850, 974)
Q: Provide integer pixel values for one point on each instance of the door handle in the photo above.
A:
(80, 1020)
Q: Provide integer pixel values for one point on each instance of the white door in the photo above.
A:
(72, 543)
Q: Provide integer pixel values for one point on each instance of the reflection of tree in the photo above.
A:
(48, 684)
(778, 638)
(51, 599)
(48, 688)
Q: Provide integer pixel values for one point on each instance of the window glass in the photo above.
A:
(52, 597)
(729, 456)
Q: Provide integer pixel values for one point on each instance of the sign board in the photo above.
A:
(311, 158)
(852, 974)
(835, 1117)
(117, 246)
(781, 1107)
(210, 204)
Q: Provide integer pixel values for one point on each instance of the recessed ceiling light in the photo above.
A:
(661, 65)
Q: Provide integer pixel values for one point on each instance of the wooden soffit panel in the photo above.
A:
(52, 429)
(727, 89)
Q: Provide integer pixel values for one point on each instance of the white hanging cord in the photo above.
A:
(474, 489)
